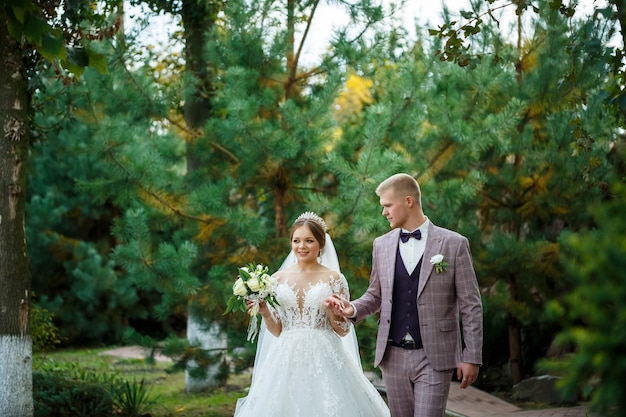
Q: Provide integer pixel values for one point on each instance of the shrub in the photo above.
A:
(43, 331)
(132, 399)
(55, 395)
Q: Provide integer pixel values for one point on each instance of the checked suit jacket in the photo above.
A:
(444, 300)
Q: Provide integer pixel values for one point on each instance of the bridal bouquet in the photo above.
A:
(255, 284)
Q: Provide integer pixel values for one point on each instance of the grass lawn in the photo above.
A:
(167, 388)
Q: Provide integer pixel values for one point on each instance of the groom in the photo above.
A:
(422, 282)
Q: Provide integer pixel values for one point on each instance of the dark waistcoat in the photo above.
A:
(404, 316)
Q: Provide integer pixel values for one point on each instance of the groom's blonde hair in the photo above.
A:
(402, 185)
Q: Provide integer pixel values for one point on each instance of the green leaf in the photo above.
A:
(52, 47)
(229, 306)
(245, 275)
(19, 13)
(97, 61)
(78, 57)
(76, 61)
(35, 28)
(73, 68)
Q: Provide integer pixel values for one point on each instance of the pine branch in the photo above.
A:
(154, 195)
(439, 160)
(190, 132)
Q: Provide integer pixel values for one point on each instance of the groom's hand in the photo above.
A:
(340, 306)
(467, 373)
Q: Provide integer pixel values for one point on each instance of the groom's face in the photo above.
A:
(395, 209)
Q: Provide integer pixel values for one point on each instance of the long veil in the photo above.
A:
(266, 339)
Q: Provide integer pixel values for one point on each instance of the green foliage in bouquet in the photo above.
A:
(253, 283)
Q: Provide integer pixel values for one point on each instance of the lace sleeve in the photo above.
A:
(339, 286)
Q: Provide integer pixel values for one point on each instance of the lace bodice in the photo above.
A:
(302, 307)
(308, 370)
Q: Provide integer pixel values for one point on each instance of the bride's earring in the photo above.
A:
(319, 258)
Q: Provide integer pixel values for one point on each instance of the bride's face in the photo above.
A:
(304, 245)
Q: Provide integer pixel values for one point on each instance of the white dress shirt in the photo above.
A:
(412, 250)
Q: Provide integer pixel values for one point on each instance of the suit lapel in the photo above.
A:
(434, 244)
(390, 251)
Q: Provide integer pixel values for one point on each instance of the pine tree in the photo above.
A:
(69, 232)
(538, 176)
(593, 313)
(537, 188)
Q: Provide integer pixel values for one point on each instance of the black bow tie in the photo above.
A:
(404, 236)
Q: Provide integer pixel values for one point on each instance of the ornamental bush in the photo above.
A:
(44, 332)
(55, 395)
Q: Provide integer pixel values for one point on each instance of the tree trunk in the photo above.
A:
(198, 100)
(515, 352)
(515, 340)
(16, 387)
(213, 339)
(198, 23)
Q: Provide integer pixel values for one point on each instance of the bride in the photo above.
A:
(307, 362)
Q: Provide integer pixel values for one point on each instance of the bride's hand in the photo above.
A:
(263, 310)
(339, 305)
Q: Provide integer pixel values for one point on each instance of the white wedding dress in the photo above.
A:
(308, 371)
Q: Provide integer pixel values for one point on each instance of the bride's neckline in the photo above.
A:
(305, 280)
(312, 269)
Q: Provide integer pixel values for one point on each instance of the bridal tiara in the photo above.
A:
(309, 215)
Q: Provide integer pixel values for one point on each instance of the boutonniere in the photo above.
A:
(440, 264)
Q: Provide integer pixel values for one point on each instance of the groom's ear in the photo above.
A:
(409, 200)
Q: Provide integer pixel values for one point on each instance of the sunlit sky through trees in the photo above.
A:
(426, 14)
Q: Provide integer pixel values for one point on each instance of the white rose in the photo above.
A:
(266, 280)
(436, 259)
(239, 289)
(254, 284)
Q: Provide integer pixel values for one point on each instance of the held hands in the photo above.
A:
(339, 306)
